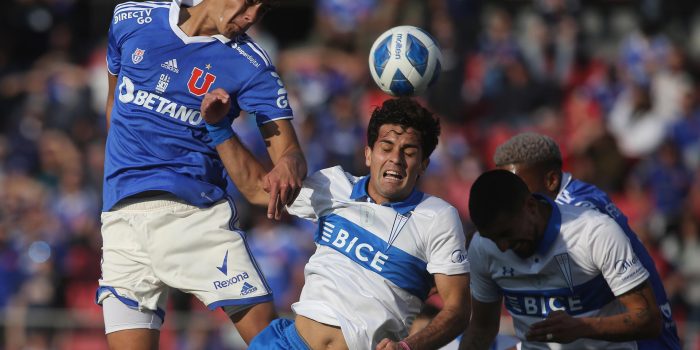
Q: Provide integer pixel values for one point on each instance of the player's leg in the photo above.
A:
(119, 320)
(129, 291)
(253, 320)
(213, 262)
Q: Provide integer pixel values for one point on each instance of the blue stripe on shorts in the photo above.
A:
(281, 334)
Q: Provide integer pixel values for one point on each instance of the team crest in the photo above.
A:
(137, 56)
(200, 88)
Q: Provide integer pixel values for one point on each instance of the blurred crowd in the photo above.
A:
(613, 81)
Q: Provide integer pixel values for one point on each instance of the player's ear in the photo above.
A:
(552, 180)
(424, 165)
(368, 156)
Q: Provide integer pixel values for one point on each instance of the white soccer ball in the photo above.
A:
(405, 60)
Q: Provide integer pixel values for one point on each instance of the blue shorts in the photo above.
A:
(281, 334)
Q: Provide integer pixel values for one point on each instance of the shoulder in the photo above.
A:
(586, 221)
(255, 55)
(435, 206)
(139, 13)
(330, 177)
(583, 194)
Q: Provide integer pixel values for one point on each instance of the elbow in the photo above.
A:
(655, 326)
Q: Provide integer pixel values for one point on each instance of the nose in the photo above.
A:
(396, 156)
(252, 13)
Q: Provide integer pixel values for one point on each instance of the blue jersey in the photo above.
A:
(157, 139)
(579, 193)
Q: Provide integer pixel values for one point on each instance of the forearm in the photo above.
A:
(245, 171)
(283, 146)
(442, 329)
(628, 326)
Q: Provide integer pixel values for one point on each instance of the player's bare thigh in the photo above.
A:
(320, 335)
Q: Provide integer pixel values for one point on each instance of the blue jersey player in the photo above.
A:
(168, 220)
(537, 160)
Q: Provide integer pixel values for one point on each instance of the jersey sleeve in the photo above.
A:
(612, 253)
(265, 97)
(113, 51)
(447, 244)
(313, 197)
(483, 287)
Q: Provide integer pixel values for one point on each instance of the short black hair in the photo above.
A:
(408, 113)
(530, 149)
(496, 193)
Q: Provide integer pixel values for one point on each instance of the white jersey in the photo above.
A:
(373, 263)
(583, 262)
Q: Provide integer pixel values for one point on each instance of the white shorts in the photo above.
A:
(151, 244)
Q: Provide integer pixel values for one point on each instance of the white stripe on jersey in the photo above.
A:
(261, 50)
(144, 4)
(254, 48)
(128, 9)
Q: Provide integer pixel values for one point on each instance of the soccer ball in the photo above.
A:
(404, 61)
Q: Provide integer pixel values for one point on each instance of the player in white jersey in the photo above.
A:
(568, 275)
(168, 220)
(537, 160)
(381, 245)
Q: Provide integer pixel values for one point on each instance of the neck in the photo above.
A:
(193, 21)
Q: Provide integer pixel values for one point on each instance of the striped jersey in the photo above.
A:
(582, 264)
(157, 138)
(581, 194)
(373, 263)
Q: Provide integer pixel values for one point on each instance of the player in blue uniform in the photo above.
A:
(168, 220)
(568, 275)
(537, 160)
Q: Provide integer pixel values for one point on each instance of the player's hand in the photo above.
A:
(388, 344)
(558, 327)
(215, 106)
(283, 183)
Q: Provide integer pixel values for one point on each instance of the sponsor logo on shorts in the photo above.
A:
(231, 281)
(248, 288)
(224, 266)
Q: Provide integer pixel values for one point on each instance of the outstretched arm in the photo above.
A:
(284, 181)
(641, 320)
(243, 168)
(483, 326)
(447, 324)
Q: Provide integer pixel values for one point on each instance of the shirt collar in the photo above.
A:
(359, 191)
(565, 179)
(553, 227)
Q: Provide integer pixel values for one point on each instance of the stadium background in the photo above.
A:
(613, 81)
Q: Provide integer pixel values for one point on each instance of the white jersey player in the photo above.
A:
(566, 274)
(381, 246)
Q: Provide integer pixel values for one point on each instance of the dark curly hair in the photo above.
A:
(408, 113)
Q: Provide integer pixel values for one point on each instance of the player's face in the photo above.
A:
(519, 233)
(395, 161)
(234, 17)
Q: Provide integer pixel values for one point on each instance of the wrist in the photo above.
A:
(404, 345)
(220, 131)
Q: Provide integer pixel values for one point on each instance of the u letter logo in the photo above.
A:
(194, 79)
